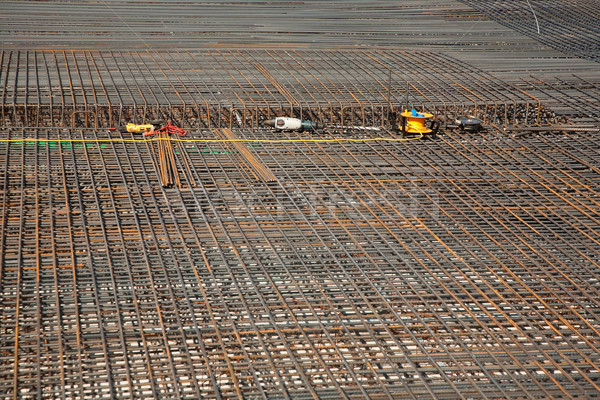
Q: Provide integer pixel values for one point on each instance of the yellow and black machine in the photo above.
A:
(154, 127)
(137, 128)
(420, 123)
(146, 128)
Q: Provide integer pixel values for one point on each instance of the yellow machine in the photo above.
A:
(415, 122)
(154, 127)
(135, 128)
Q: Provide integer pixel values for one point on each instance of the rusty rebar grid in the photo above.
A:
(552, 23)
(465, 266)
(461, 267)
(240, 89)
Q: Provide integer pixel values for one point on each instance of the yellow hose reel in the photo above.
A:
(414, 122)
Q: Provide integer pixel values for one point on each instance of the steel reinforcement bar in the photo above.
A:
(461, 267)
(570, 26)
(240, 89)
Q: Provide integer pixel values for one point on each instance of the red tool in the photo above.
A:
(169, 129)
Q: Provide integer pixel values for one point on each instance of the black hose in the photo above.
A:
(435, 127)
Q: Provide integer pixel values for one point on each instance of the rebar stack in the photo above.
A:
(255, 167)
(166, 161)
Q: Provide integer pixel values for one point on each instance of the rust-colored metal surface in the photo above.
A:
(214, 88)
(570, 26)
(465, 266)
(348, 263)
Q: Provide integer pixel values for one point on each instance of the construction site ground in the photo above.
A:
(348, 263)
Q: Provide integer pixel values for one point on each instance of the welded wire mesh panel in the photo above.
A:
(242, 88)
(298, 265)
(569, 26)
(465, 266)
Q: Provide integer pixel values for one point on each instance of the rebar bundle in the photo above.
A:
(166, 161)
(256, 168)
(166, 157)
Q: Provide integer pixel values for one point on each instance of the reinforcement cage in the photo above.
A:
(217, 89)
